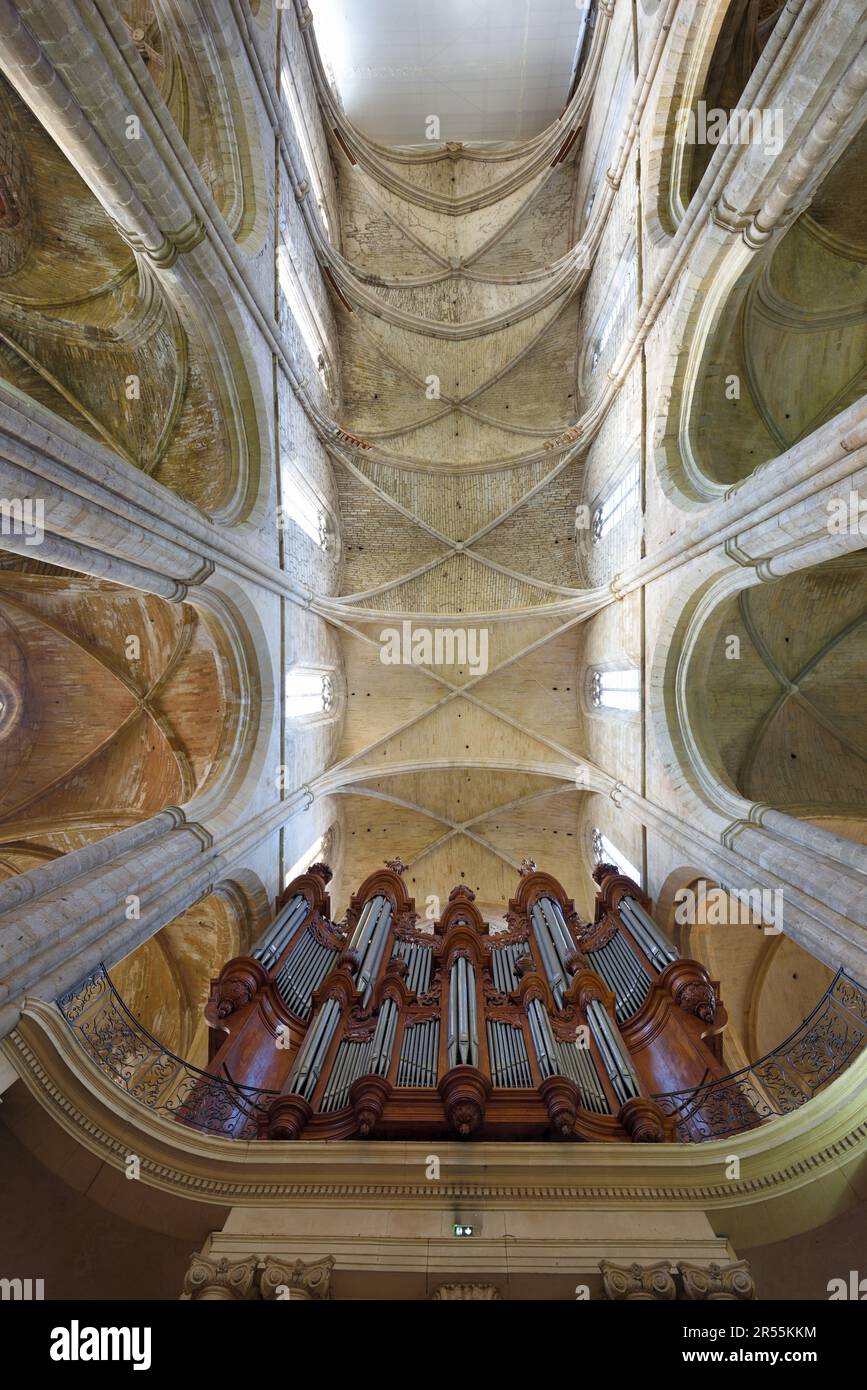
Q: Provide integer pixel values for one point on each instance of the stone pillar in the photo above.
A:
(63, 919)
(60, 921)
(821, 875)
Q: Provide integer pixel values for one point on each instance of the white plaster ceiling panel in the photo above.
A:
(553, 813)
(457, 300)
(370, 238)
(490, 69)
(461, 860)
(540, 690)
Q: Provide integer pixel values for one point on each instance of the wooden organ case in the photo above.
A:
(377, 1027)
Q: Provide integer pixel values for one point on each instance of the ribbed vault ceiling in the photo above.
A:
(459, 337)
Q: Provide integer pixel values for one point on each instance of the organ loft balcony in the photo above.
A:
(382, 1027)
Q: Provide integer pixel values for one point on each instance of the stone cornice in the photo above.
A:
(804, 1148)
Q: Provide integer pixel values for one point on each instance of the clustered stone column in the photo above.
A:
(255, 1279)
(689, 1283)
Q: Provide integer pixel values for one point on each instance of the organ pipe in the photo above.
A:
(649, 936)
(463, 1045)
(314, 1050)
(557, 1058)
(621, 969)
(615, 1056)
(277, 936)
(371, 944)
(554, 970)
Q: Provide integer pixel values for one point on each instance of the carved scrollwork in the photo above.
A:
(698, 997)
(405, 925)
(518, 924)
(304, 1282)
(220, 1279)
(717, 1283)
(465, 1091)
(638, 1283)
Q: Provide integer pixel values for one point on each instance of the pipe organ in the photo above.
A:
(376, 1026)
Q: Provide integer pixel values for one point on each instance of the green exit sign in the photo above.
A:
(459, 1230)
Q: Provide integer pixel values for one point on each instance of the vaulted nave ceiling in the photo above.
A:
(459, 331)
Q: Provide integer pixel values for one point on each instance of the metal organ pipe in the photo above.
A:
(463, 1045)
(558, 1058)
(617, 1061)
(555, 942)
(649, 936)
(369, 938)
(556, 976)
(558, 931)
(314, 1050)
(304, 968)
(418, 959)
(383, 1039)
(360, 936)
(277, 936)
(543, 1038)
(621, 969)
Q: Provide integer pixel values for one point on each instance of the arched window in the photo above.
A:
(320, 850)
(295, 293)
(310, 694)
(308, 154)
(616, 503)
(607, 853)
(304, 509)
(618, 689)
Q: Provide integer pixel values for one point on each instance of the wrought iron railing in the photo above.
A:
(819, 1049)
(142, 1067)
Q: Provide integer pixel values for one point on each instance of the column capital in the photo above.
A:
(280, 1280)
(215, 1280)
